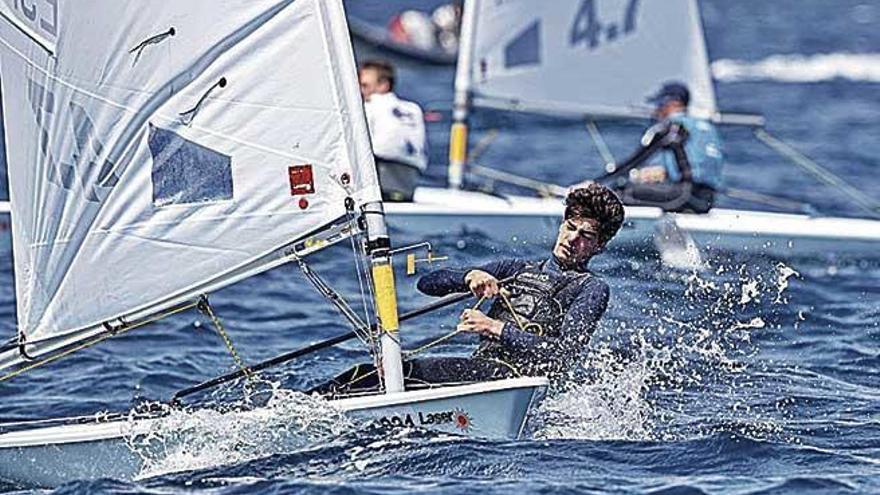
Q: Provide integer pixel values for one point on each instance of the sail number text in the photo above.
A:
(588, 29)
(40, 14)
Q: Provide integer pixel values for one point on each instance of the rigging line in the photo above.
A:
(765, 199)
(359, 266)
(502, 362)
(543, 188)
(289, 356)
(360, 328)
(436, 342)
(205, 307)
(867, 203)
(483, 144)
(369, 302)
(519, 322)
(442, 338)
(368, 276)
(452, 334)
(601, 145)
(94, 341)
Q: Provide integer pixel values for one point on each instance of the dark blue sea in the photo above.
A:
(759, 374)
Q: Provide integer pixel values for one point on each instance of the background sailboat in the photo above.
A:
(374, 40)
(157, 158)
(598, 60)
(370, 22)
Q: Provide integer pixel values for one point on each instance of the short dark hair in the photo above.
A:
(598, 202)
(384, 71)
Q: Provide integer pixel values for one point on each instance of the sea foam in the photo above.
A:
(794, 68)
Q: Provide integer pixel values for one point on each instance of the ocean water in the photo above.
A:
(758, 374)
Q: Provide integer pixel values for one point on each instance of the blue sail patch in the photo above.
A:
(185, 172)
(525, 49)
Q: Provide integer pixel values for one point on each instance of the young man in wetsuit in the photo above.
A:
(542, 318)
(684, 154)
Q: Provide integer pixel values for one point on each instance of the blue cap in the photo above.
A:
(671, 91)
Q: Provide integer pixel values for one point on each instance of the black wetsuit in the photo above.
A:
(557, 311)
(684, 194)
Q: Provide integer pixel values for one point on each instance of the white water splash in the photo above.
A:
(612, 407)
(676, 247)
(749, 292)
(801, 68)
(783, 274)
(653, 390)
(186, 440)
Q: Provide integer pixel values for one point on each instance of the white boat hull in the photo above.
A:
(55, 455)
(532, 220)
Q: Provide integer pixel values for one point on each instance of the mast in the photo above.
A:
(378, 248)
(458, 135)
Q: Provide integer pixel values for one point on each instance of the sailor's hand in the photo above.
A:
(474, 321)
(482, 284)
(648, 175)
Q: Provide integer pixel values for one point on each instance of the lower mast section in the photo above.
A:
(378, 248)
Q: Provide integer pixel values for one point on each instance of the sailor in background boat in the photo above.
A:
(684, 154)
(397, 131)
(541, 320)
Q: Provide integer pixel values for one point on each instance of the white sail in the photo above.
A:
(156, 147)
(586, 57)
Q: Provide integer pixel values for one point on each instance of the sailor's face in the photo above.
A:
(370, 84)
(578, 241)
(668, 108)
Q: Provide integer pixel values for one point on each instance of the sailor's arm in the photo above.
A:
(449, 280)
(654, 139)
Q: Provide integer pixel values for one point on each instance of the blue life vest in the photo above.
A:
(704, 151)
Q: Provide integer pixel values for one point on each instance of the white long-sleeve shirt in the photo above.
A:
(397, 130)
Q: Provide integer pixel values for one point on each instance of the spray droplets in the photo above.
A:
(783, 274)
(185, 440)
(688, 367)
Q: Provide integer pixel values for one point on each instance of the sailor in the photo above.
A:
(397, 131)
(684, 154)
(542, 318)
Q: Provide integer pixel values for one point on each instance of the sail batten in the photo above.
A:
(597, 58)
(146, 176)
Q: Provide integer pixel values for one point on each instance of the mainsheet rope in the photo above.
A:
(522, 326)
(519, 323)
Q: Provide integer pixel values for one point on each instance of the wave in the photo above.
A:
(863, 67)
